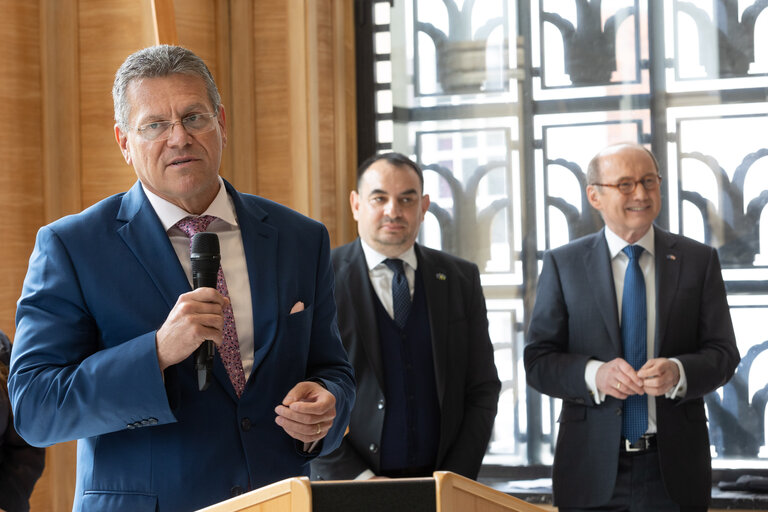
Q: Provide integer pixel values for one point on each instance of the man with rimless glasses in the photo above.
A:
(630, 328)
(108, 322)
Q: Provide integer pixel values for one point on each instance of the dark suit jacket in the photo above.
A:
(20, 464)
(84, 364)
(575, 318)
(467, 383)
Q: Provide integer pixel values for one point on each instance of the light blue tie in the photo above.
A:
(633, 335)
(401, 293)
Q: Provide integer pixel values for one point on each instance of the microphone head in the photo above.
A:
(205, 258)
(205, 245)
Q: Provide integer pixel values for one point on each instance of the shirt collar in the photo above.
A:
(169, 214)
(616, 243)
(374, 258)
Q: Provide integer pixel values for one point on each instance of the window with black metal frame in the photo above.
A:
(503, 103)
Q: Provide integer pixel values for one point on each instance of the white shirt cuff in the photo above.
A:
(365, 475)
(590, 377)
(681, 389)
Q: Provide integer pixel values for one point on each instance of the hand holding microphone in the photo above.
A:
(197, 315)
(206, 259)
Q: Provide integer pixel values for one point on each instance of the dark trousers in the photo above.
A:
(639, 488)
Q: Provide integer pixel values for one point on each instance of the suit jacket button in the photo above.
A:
(618, 411)
(373, 448)
(245, 424)
(380, 404)
(579, 400)
(236, 491)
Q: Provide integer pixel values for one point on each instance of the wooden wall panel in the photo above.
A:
(331, 95)
(272, 122)
(346, 121)
(239, 90)
(323, 83)
(20, 146)
(196, 22)
(109, 31)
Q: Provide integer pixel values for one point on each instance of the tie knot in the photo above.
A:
(633, 251)
(193, 225)
(395, 265)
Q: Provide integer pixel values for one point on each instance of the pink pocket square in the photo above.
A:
(297, 308)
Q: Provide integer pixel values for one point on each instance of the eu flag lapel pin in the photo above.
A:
(440, 276)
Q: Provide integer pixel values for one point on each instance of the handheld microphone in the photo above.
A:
(206, 258)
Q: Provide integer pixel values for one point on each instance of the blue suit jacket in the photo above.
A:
(99, 285)
(575, 318)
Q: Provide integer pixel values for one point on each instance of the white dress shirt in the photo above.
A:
(619, 263)
(232, 259)
(381, 275)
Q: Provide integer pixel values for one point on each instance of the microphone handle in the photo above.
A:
(203, 356)
(204, 364)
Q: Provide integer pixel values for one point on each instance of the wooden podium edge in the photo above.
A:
(448, 484)
(295, 495)
(298, 488)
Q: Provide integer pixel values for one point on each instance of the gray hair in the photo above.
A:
(154, 62)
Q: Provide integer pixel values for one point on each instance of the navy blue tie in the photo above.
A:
(633, 335)
(401, 294)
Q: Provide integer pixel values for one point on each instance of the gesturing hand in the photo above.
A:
(307, 412)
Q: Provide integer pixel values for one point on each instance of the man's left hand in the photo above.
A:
(307, 412)
(659, 376)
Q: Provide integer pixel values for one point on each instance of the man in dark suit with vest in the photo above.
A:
(414, 323)
(631, 328)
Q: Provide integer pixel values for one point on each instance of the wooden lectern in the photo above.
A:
(444, 492)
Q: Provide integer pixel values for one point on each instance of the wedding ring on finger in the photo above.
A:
(319, 430)
(618, 385)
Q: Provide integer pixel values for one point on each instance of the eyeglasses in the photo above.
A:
(626, 187)
(194, 124)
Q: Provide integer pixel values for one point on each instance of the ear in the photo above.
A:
(424, 205)
(593, 195)
(122, 141)
(222, 118)
(354, 203)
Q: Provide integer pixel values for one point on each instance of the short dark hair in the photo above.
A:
(155, 62)
(394, 158)
(593, 169)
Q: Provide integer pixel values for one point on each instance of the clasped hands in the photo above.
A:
(618, 379)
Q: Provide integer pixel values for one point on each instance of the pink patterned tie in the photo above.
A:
(230, 348)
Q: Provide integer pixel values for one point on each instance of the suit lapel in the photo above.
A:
(359, 304)
(260, 246)
(144, 235)
(436, 289)
(596, 261)
(668, 262)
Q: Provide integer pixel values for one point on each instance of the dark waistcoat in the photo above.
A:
(412, 420)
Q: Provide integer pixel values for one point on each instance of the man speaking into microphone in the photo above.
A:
(108, 322)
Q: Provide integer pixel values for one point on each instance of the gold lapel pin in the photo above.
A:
(440, 276)
(671, 257)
